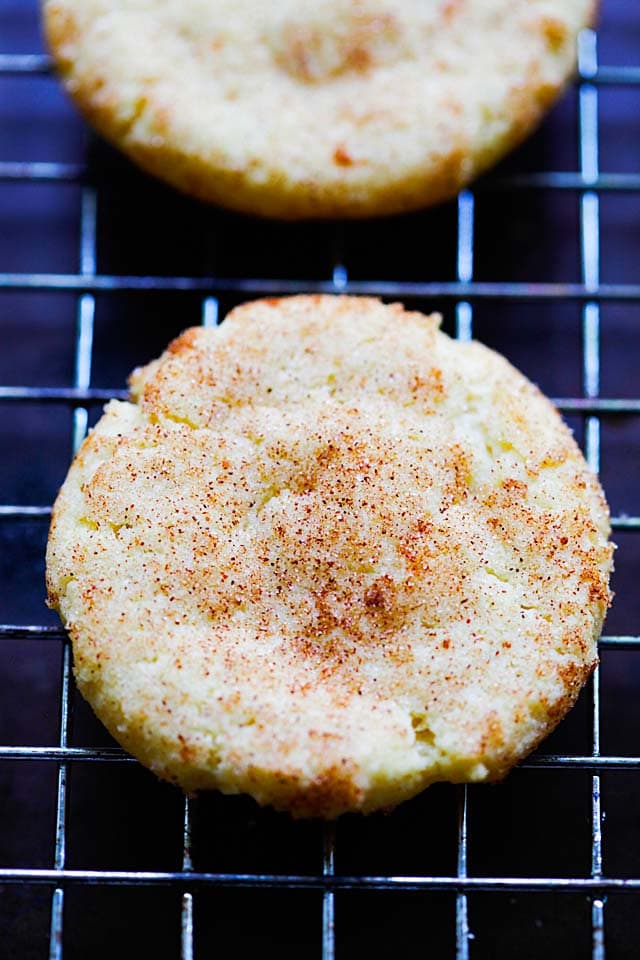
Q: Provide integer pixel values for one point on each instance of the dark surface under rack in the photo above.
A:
(99, 268)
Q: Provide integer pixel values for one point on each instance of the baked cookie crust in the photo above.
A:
(315, 108)
(327, 556)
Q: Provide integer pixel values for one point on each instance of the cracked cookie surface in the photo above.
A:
(327, 556)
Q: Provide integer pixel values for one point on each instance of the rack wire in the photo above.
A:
(462, 295)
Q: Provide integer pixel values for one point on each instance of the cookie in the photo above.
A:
(327, 556)
(315, 108)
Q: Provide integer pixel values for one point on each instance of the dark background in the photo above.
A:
(536, 824)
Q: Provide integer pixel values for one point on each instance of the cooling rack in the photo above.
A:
(99, 268)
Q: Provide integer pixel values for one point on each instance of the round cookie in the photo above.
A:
(328, 556)
(315, 108)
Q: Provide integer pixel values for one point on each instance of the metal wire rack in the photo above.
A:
(459, 894)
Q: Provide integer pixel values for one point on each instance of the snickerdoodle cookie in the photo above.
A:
(315, 108)
(327, 556)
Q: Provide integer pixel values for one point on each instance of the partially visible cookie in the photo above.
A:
(328, 556)
(315, 108)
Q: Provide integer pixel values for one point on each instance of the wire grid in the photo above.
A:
(464, 293)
